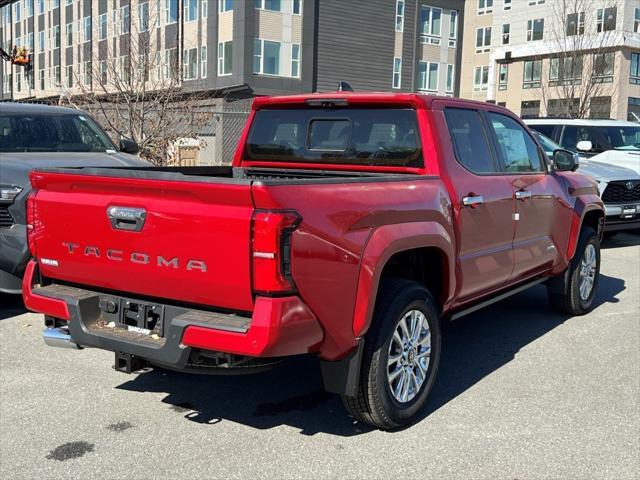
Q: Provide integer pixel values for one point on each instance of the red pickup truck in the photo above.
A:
(349, 226)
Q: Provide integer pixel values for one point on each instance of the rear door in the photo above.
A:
(541, 215)
(483, 203)
(144, 233)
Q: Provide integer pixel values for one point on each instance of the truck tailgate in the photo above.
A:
(182, 240)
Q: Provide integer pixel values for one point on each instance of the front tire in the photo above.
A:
(580, 284)
(401, 357)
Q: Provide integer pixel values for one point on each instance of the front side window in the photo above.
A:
(518, 150)
(399, 15)
(469, 140)
(46, 133)
(369, 136)
(535, 29)
(622, 138)
(571, 135)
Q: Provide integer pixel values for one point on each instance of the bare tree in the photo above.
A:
(579, 46)
(139, 93)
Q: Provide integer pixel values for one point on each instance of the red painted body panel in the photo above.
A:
(349, 228)
(48, 306)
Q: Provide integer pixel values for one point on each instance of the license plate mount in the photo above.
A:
(629, 211)
(142, 317)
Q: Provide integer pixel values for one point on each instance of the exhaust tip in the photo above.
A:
(59, 337)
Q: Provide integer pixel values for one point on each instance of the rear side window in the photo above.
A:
(469, 139)
(519, 151)
(546, 130)
(359, 136)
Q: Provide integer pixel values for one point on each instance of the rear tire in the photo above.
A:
(580, 286)
(402, 345)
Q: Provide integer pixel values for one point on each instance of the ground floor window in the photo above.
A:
(530, 108)
(600, 107)
(633, 109)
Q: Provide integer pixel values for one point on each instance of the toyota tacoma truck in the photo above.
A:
(349, 226)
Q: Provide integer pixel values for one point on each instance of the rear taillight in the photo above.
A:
(271, 250)
(32, 222)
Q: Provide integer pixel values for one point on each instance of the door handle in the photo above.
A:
(472, 201)
(523, 195)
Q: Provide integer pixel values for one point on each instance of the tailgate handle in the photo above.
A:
(127, 218)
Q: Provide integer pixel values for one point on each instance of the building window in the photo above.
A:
(68, 2)
(86, 73)
(190, 64)
(636, 20)
(103, 72)
(430, 19)
(295, 60)
(266, 57)
(41, 79)
(297, 7)
(503, 76)
(450, 78)
(170, 11)
(41, 40)
(535, 29)
(55, 37)
(428, 73)
(635, 68)
(453, 28)
(273, 5)
(565, 71)
(28, 8)
(606, 19)
(507, 4)
(203, 61)
(397, 72)
(506, 32)
(190, 10)
(633, 109)
(124, 20)
(483, 39)
(480, 78)
(575, 24)
(102, 27)
(485, 6)
(530, 108)
(69, 76)
(56, 3)
(536, 2)
(143, 16)
(532, 74)
(205, 8)
(123, 69)
(69, 34)
(86, 30)
(225, 5)
(399, 15)
(17, 11)
(603, 64)
(225, 58)
(41, 6)
(30, 42)
(600, 107)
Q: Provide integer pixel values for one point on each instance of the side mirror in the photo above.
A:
(584, 146)
(565, 161)
(129, 146)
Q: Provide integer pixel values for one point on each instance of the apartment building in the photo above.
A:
(538, 56)
(250, 47)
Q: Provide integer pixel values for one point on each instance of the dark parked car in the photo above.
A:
(40, 136)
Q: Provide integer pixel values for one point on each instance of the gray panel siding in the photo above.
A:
(409, 45)
(355, 44)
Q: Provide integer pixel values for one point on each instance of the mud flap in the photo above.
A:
(342, 376)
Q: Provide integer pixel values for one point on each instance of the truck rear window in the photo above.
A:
(359, 136)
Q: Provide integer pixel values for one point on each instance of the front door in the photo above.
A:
(541, 215)
(483, 204)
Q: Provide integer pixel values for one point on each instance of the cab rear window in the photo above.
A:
(382, 137)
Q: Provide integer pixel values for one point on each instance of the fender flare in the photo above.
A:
(383, 243)
(581, 209)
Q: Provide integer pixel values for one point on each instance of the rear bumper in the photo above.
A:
(278, 326)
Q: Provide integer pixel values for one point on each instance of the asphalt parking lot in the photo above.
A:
(522, 393)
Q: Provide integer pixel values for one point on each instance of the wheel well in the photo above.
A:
(594, 219)
(426, 266)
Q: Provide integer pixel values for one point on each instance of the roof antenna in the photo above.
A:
(344, 87)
